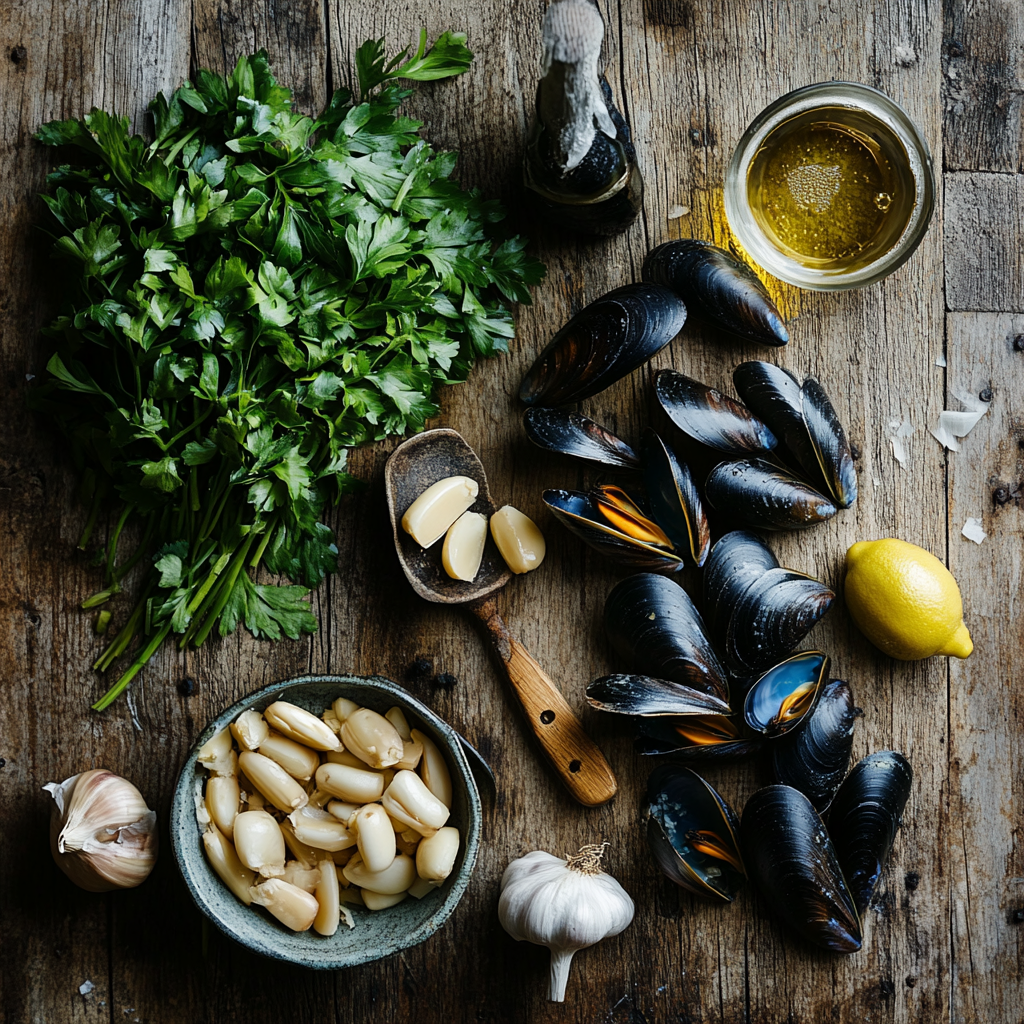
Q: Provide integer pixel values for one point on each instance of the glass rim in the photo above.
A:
(854, 96)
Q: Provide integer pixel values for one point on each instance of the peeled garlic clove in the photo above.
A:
(395, 878)
(231, 871)
(343, 707)
(102, 834)
(433, 769)
(222, 801)
(249, 729)
(379, 901)
(306, 855)
(344, 757)
(217, 756)
(429, 516)
(305, 878)
(320, 830)
(342, 811)
(421, 887)
(412, 754)
(409, 801)
(328, 899)
(372, 738)
(374, 836)
(518, 539)
(301, 726)
(397, 718)
(354, 785)
(463, 549)
(293, 907)
(298, 761)
(273, 782)
(259, 843)
(435, 856)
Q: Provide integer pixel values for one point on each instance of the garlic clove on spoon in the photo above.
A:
(102, 834)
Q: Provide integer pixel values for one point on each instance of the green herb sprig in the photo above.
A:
(253, 293)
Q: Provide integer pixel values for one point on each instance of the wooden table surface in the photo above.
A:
(944, 936)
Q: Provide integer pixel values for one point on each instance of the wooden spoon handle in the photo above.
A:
(575, 757)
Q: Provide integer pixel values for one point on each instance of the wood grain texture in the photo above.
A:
(942, 938)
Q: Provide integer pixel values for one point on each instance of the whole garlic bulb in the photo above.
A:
(102, 834)
(564, 904)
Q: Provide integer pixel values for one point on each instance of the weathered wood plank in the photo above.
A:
(984, 229)
(986, 768)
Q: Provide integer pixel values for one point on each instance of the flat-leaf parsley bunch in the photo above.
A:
(253, 293)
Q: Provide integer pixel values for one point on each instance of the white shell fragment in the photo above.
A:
(940, 361)
(972, 530)
(427, 519)
(954, 424)
(899, 431)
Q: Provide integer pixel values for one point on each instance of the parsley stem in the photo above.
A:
(144, 655)
(211, 578)
(224, 590)
(97, 499)
(258, 557)
(112, 544)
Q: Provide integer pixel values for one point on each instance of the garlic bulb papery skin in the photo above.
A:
(102, 834)
(565, 904)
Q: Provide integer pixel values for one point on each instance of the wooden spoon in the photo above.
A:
(412, 468)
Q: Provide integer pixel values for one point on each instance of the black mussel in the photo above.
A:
(804, 420)
(692, 831)
(736, 561)
(790, 859)
(765, 497)
(718, 288)
(655, 627)
(580, 513)
(710, 417)
(571, 433)
(674, 499)
(643, 695)
(772, 616)
(835, 457)
(580, 161)
(697, 738)
(786, 694)
(814, 758)
(602, 343)
(865, 816)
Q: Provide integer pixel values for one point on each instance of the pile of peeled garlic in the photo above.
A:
(305, 815)
(442, 510)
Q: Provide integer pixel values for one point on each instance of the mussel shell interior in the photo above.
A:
(696, 738)
(708, 416)
(758, 494)
(831, 448)
(653, 624)
(578, 513)
(786, 694)
(674, 499)
(791, 860)
(692, 833)
(814, 757)
(572, 433)
(865, 817)
(602, 343)
(643, 695)
(719, 287)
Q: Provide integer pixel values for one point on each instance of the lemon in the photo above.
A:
(905, 601)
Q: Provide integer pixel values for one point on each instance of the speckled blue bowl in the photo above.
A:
(377, 933)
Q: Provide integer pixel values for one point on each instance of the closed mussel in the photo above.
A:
(765, 497)
(673, 497)
(697, 738)
(706, 415)
(737, 560)
(784, 696)
(791, 860)
(602, 343)
(585, 516)
(772, 616)
(692, 833)
(814, 758)
(718, 288)
(643, 695)
(865, 817)
(571, 433)
(655, 627)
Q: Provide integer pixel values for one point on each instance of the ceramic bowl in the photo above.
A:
(377, 934)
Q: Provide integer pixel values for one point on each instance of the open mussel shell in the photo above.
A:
(835, 457)
(697, 738)
(646, 696)
(674, 499)
(717, 287)
(655, 627)
(737, 560)
(571, 433)
(710, 417)
(765, 497)
(772, 616)
(692, 833)
(786, 694)
(790, 859)
(602, 343)
(814, 758)
(579, 513)
(865, 817)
